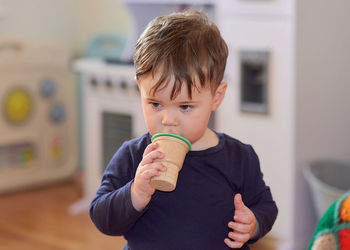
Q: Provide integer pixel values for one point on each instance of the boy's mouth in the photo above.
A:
(171, 131)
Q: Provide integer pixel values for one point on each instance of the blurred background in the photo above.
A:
(68, 100)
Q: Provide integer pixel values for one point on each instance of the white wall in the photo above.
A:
(323, 91)
(71, 23)
(40, 20)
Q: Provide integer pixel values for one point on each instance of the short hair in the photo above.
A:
(184, 47)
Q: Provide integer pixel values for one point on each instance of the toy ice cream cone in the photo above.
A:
(174, 148)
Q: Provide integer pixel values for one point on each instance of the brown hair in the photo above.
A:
(185, 46)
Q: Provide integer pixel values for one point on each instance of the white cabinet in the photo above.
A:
(308, 117)
(256, 28)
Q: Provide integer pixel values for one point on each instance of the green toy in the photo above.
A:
(333, 230)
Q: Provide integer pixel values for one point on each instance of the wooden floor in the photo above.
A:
(40, 220)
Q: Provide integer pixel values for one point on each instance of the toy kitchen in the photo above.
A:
(111, 114)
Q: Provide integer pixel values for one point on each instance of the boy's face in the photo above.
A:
(182, 115)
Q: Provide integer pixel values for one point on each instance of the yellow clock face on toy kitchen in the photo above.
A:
(18, 106)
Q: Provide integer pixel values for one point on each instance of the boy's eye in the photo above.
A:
(156, 105)
(185, 107)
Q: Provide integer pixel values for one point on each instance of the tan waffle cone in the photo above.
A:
(174, 151)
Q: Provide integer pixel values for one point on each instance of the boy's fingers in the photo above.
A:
(150, 148)
(233, 244)
(152, 170)
(238, 203)
(238, 237)
(148, 174)
(150, 157)
(156, 165)
(244, 218)
(239, 227)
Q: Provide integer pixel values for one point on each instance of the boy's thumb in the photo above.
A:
(239, 205)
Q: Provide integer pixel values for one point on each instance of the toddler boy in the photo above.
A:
(221, 200)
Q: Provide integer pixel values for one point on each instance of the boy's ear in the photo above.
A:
(219, 95)
(137, 81)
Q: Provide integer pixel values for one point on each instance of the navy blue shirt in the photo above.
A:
(193, 216)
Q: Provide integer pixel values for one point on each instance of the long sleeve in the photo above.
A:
(258, 196)
(196, 213)
(111, 210)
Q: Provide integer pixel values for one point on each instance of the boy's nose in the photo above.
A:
(169, 118)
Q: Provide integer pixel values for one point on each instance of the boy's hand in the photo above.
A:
(141, 189)
(243, 225)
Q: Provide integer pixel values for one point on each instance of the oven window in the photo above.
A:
(117, 128)
(254, 81)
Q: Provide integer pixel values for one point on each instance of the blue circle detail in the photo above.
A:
(57, 113)
(48, 88)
